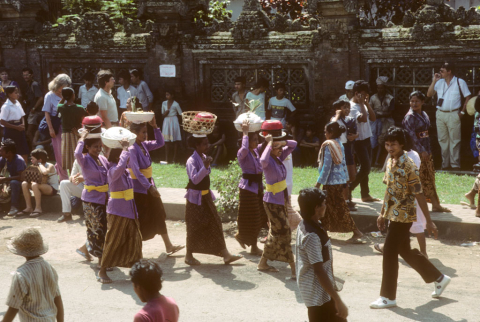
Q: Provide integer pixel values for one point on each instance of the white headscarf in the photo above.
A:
(382, 80)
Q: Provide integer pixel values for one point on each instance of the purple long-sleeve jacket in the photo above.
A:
(196, 171)
(138, 161)
(119, 180)
(250, 164)
(275, 171)
(93, 174)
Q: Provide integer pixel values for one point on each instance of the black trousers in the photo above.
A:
(397, 243)
(325, 313)
(363, 151)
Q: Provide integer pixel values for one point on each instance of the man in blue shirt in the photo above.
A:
(15, 166)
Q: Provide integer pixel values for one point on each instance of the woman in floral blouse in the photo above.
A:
(333, 177)
(417, 123)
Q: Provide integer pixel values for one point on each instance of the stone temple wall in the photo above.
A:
(315, 58)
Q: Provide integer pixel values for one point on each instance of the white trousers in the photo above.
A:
(449, 137)
(67, 190)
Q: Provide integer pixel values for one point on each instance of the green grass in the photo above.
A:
(450, 187)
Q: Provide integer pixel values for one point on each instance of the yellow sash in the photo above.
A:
(204, 192)
(126, 194)
(103, 188)
(277, 187)
(148, 173)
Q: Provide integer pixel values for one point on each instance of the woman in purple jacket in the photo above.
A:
(251, 213)
(151, 212)
(94, 196)
(277, 247)
(123, 243)
(204, 227)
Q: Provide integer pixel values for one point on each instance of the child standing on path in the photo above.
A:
(71, 115)
(146, 277)
(315, 262)
(34, 293)
(403, 187)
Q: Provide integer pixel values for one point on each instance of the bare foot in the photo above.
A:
(357, 234)
(103, 278)
(84, 252)
(256, 251)
(470, 197)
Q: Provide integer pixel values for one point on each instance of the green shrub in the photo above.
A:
(217, 10)
(227, 186)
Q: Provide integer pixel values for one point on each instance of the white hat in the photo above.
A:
(382, 80)
(349, 84)
(28, 244)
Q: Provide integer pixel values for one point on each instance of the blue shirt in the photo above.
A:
(331, 173)
(15, 166)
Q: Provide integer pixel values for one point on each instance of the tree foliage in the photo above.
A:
(389, 10)
(217, 10)
(117, 9)
(292, 8)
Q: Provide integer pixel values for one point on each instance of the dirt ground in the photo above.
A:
(217, 292)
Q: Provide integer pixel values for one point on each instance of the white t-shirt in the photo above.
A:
(260, 111)
(106, 102)
(363, 128)
(278, 108)
(11, 111)
(123, 95)
(451, 93)
(86, 96)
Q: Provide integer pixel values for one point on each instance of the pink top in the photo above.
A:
(160, 309)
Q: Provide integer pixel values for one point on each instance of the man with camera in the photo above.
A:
(451, 92)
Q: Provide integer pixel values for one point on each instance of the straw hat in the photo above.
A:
(275, 128)
(471, 106)
(29, 243)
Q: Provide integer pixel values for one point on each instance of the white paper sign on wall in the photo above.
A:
(167, 70)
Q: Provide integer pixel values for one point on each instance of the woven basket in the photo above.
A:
(196, 124)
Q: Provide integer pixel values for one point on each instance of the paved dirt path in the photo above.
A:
(216, 292)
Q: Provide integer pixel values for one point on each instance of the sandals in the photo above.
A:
(36, 214)
(21, 214)
(109, 269)
(233, 259)
(472, 206)
(84, 255)
(441, 209)
(192, 262)
(356, 241)
(377, 248)
(104, 280)
(269, 269)
(176, 248)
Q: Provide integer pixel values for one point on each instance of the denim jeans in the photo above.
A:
(363, 151)
(16, 187)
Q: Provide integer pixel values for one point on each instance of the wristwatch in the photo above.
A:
(462, 112)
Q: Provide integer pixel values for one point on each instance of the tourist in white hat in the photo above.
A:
(34, 292)
(348, 91)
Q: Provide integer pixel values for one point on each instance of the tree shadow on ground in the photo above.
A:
(421, 312)
(438, 264)
(222, 275)
(361, 250)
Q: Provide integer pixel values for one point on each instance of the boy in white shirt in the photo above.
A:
(258, 93)
(125, 91)
(86, 93)
(279, 105)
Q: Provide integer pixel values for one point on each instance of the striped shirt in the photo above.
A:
(33, 290)
(309, 252)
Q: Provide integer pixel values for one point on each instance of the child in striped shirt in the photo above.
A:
(34, 293)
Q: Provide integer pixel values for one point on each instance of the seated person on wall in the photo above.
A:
(72, 187)
(15, 167)
(217, 149)
(39, 159)
(309, 147)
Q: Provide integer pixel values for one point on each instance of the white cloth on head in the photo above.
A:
(382, 80)
(420, 225)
